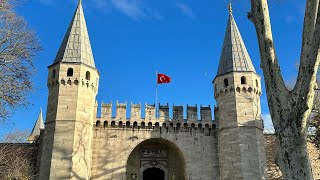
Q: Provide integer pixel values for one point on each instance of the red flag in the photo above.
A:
(162, 78)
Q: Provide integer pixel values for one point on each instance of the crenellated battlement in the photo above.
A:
(71, 82)
(238, 89)
(153, 119)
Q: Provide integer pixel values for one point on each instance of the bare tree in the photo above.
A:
(18, 47)
(17, 159)
(290, 109)
(16, 136)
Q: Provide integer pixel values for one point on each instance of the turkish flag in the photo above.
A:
(162, 78)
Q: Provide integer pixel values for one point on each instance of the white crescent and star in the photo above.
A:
(162, 79)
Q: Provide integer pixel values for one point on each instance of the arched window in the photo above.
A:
(113, 124)
(150, 125)
(128, 124)
(120, 125)
(214, 126)
(135, 124)
(54, 73)
(98, 123)
(156, 124)
(257, 84)
(243, 80)
(193, 125)
(88, 75)
(70, 72)
(164, 125)
(105, 124)
(185, 126)
(143, 125)
(226, 82)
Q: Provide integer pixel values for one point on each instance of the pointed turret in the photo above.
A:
(237, 90)
(73, 86)
(76, 47)
(39, 125)
(234, 56)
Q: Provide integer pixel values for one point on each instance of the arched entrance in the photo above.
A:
(155, 159)
(153, 174)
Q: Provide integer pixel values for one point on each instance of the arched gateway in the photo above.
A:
(155, 159)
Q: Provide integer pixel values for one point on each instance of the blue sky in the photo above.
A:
(131, 39)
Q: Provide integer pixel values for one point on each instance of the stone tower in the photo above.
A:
(73, 86)
(237, 91)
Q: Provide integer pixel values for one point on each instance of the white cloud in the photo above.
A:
(135, 9)
(185, 10)
(268, 126)
(131, 8)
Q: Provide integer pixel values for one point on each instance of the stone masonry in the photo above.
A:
(76, 144)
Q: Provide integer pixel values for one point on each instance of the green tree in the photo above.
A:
(18, 47)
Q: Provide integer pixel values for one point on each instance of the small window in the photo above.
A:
(257, 84)
(98, 123)
(54, 73)
(87, 75)
(135, 125)
(149, 125)
(143, 125)
(226, 82)
(70, 72)
(105, 124)
(128, 124)
(243, 80)
(164, 125)
(113, 124)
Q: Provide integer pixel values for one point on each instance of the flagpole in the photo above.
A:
(156, 94)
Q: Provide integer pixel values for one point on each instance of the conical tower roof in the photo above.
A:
(39, 125)
(76, 47)
(234, 56)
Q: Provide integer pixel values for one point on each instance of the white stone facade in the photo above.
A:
(78, 145)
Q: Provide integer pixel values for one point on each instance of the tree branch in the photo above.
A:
(259, 15)
(269, 62)
(308, 31)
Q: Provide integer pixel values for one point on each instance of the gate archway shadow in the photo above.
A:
(156, 158)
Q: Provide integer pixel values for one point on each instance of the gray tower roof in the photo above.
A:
(39, 125)
(234, 56)
(76, 45)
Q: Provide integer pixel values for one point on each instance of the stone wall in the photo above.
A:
(274, 172)
(113, 146)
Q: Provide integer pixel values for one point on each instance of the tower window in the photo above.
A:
(243, 80)
(226, 82)
(70, 72)
(87, 75)
(257, 84)
(54, 73)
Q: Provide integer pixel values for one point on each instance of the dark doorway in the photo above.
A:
(153, 174)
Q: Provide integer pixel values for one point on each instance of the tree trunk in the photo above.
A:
(290, 110)
(292, 157)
